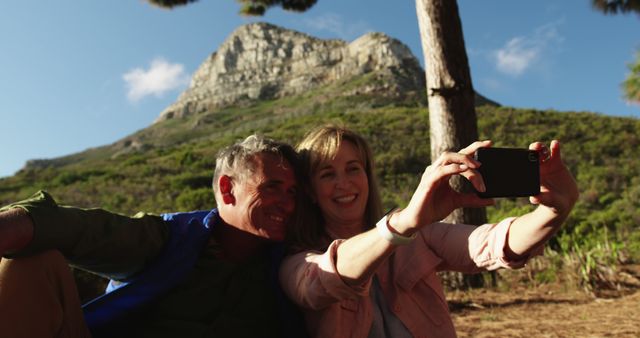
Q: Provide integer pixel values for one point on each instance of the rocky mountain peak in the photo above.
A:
(261, 61)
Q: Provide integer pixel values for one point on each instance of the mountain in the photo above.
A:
(261, 61)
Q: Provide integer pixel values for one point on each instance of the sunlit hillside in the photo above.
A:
(168, 166)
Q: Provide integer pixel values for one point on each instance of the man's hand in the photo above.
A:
(16, 230)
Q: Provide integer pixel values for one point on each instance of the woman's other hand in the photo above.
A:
(434, 199)
(558, 189)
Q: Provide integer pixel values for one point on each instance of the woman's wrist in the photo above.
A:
(560, 210)
(390, 233)
(549, 215)
(398, 225)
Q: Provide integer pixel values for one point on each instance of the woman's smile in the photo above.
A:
(346, 199)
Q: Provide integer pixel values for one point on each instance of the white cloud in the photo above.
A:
(161, 77)
(515, 57)
(336, 24)
(520, 53)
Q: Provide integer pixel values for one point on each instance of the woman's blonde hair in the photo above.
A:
(319, 146)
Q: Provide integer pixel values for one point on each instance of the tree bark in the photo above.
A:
(450, 94)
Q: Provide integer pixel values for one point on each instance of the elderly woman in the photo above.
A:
(357, 274)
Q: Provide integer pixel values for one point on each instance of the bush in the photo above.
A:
(199, 199)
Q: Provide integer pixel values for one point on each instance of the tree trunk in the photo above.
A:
(452, 115)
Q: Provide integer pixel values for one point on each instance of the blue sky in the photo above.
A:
(79, 74)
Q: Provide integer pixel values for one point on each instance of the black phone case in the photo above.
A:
(509, 172)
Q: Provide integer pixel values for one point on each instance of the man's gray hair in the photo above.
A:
(238, 160)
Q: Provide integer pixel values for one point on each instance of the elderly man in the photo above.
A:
(197, 274)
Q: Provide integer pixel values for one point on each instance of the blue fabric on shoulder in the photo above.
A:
(188, 234)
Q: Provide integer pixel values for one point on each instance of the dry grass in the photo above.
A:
(548, 311)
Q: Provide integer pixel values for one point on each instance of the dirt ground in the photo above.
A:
(545, 312)
(495, 314)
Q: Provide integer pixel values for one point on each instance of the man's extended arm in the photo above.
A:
(106, 243)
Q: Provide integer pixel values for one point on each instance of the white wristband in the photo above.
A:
(383, 230)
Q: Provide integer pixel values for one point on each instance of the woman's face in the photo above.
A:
(341, 188)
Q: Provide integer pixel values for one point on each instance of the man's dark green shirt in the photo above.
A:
(216, 299)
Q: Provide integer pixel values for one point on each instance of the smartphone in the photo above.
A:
(509, 172)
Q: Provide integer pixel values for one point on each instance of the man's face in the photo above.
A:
(265, 200)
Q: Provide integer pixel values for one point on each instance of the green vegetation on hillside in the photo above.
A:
(168, 166)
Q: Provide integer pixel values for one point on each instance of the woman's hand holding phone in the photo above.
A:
(558, 189)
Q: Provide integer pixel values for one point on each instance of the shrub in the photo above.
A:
(199, 199)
